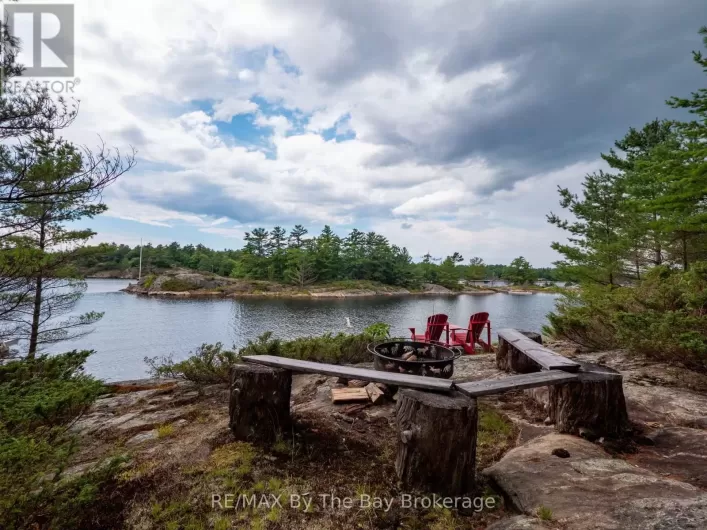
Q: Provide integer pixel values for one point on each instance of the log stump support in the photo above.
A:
(510, 359)
(259, 406)
(437, 441)
(595, 402)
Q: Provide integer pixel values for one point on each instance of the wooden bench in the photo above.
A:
(436, 419)
(513, 347)
(515, 382)
(349, 372)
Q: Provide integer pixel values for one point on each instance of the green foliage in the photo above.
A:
(334, 349)
(544, 513)
(325, 259)
(39, 399)
(662, 317)
(665, 316)
(636, 228)
(209, 364)
(520, 272)
(586, 317)
(378, 331)
(39, 228)
(45, 392)
(149, 280)
(652, 211)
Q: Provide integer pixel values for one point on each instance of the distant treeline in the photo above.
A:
(298, 259)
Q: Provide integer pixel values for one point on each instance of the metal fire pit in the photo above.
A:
(432, 360)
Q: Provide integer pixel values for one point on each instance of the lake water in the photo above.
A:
(134, 327)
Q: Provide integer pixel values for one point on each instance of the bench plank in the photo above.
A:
(515, 382)
(545, 357)
(350, 372)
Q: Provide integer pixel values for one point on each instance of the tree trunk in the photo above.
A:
(37, 312)
(437, 441)
(259, 407)
(509, 359)
(658, 246)
(595, 402)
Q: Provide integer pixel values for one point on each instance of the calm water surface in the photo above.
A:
(134, 327)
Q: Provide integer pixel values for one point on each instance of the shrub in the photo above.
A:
(378, 331)
(544, 513)
(210, 363)
(586, 318)
(45, 392)
(664, 316)
(149, 281)
(334, 349)
(39, 399)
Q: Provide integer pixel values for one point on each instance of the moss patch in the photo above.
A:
(176, 285)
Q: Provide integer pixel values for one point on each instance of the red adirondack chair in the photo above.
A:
(436, 325)
(468, 338)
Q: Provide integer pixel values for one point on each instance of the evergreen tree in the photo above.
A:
(643, 221)
(297, 234)
(278, 258)
(300, 267)
(682, 166)
(55, 286)
(256, 252)
(597, 249)
(476, 269)
(327, 248)
(520, 272)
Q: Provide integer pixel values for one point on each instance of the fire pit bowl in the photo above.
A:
(402, 356)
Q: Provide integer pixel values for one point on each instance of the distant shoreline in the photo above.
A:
(181, 283)
(294, 295)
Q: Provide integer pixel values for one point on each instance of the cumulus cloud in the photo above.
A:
(226, 109)
(436, 122)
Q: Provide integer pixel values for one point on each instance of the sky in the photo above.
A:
(443, 125)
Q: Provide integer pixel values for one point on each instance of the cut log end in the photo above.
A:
(510, 359)
(437, 441)
(259, 407)
(595, 401)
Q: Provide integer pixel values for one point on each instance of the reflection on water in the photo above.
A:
(134, 327)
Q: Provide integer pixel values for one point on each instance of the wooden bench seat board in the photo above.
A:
(515, 382)
(350, 372)
(545, 357)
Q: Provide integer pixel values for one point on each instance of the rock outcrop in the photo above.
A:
(431, 288)
(590, 490)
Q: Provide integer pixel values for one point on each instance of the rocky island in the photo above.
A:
(187, 283)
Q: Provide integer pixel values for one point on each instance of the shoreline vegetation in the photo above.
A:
(182, 283)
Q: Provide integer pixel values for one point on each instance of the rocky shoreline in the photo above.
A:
(188, 284)
(658, 479)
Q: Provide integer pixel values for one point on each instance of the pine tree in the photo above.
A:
(643, 222)
(682, 166)
(55, 286)
(520, 272)
(597, 249)
(300, 268)
(327, 258)
(297, 234)
(278, 259)
(476, 269)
